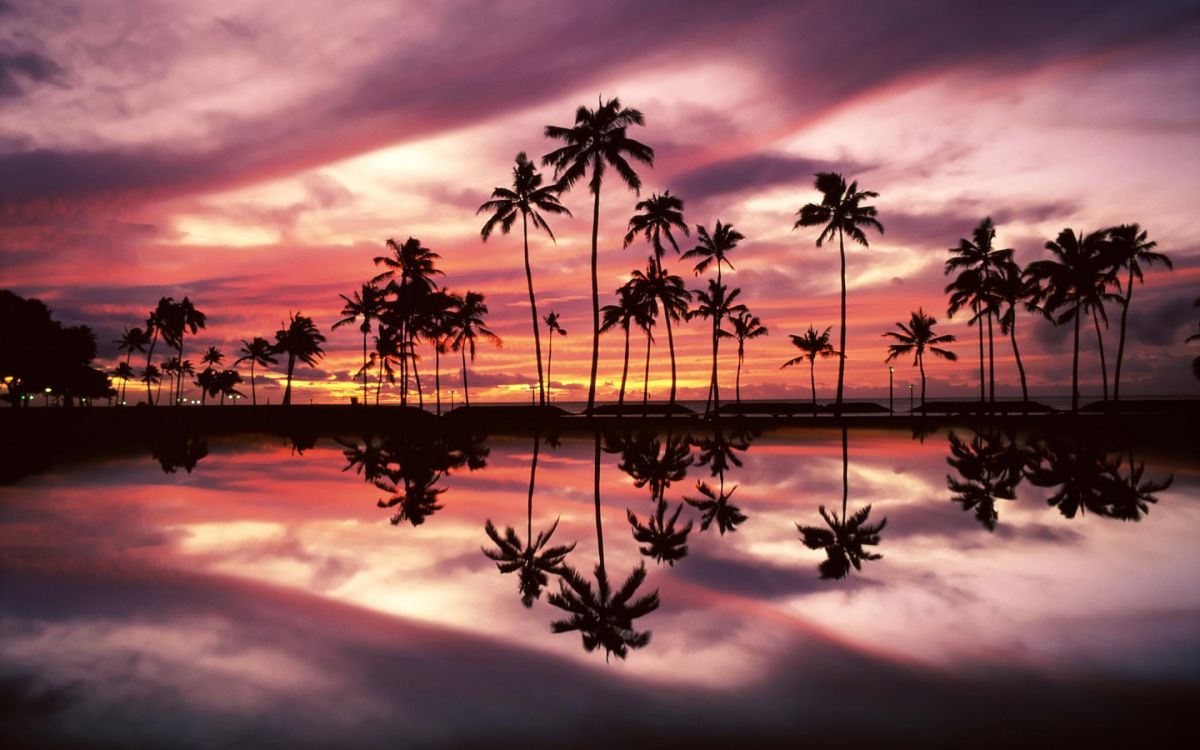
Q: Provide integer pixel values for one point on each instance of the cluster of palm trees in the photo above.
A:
(170, 321)
(406, 309)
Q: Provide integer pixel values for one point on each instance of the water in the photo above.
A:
(191, 592)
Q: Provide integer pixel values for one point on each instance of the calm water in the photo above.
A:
(255, 592)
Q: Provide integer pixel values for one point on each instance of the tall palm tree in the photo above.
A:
(534, 563)
(629, 309)
(1073, 284)
(299, 339)
(133, 339)
(157, 322)
(410, 262)
(436, 328)
(526, 197)
(745, 327)
(845, 539)
(604, 618)
(207, 382)
(841, 212)
(916, 338)
(226, 382)
(469, 326)
(258, 351)
(596, 142)
(976, 260)
(184, 317)
(552, 327)
(713, 249)
(151, 375)
(184, 369)
(125, 373)
(1130, 247)
(365, 306)
(1013, 288)
(658, 216)
(811, 346)
(170, 369)
(716, 304)
(672, 302)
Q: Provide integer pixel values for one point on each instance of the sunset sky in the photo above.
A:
(255, 155)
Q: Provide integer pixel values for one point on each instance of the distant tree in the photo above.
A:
(1130, 247)
(469, 326)
(916, 338)
(717, 304)
(841, 212)
(811, 346)
(363, 308)
(977, 261)
(630, 309)
(258, 351)
(745, 328)
(37, 352)
(552, 327)
(299, 339)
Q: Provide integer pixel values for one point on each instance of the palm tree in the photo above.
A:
(151, 375)
(1130, 247)
(207, 382)
(1013, 288)
(989, 467)
(527, 197)
(133, 339)
(184, 369)
(299, 339)
(659, 537)
(212, 356)
(125, 373)
(659, 214)
(713, 249)
(468, 326)
(258, 351)
(811, 346)
(917, 337)
(226, 383)
(1130, 497)
(714, 507)
(535, 563)
(603, 618)
(716, 304)
(184, 317)
(630, 308)
(745, 327)
(552, 327)
(412, 262)
(157, 322)
(845, 539)
(977, 260)
(668, 289)
(435, 327)
(1073, 284)
(366, 305)
(841, 212)
(597, 141)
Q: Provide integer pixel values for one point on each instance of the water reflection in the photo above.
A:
(177, 450)
(990, 466)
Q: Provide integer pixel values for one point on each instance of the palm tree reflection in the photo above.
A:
(175, 451)
(845, 540)
(659, 537)
(718, 452)
(1130, 496)
(536, 562)
(989, 468)
(604, 618)
(1087, 478)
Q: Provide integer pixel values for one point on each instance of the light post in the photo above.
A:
(891, 376)
(47, 396)
(911, 406)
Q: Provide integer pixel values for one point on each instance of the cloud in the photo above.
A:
(30, 66)
(757, 171)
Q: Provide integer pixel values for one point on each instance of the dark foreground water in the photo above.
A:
(956, 589)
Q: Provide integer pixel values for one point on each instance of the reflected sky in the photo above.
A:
(199, 591)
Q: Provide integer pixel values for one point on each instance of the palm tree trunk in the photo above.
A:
(537, 336)
(716, 397)
(437, 374)
(149, 361)
(1075, 366)
(646, 379)
(466, 389)
(812, 382)
(845, 472)
(364, 367)
(921, 364)
(417, 378)
(1012, 335)
(1100, 346)
(254, 391)
(179, 375)
(991, 361)
(671, 346)
(596, 491)
(379, 380)
(549, 361)
(982, 376)
(738, 380)
(842, 344)
(287, 391)
(532, 478)
(158, 394)
(624, 371)
(591, 402)
(1121, 341)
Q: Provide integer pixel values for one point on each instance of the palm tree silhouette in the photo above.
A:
(630, 308)
(745, 327)
(713, 250)
(714, 507)
(184, 369)
(183, 317)
(844, 541)
(1073, 284)
(125, 373)
(989, 467)
(659, 537)
(227, 382)
(258, 351)
(207, 381)
(660, 214)
(719, 450)
(299, 339)
(1079, 470)
(1013, 288)
(175, 451)
(527, 197)
(1130, 497)
(653, 463)
(811, 345)
(411, 262)
(841, 212)
(468, 325)
(917, 337)
(409, 271)
(597, 141)
(668, 289)
(976, 260)
(716, 304)
(212, 356)
(150, 376)
(552, 327)
(157, 322)
(603, 618)
(1130, 247)
(535, 563)
(365, 306)
(170, 368)
(133, 339)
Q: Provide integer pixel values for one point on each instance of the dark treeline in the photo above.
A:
(404, 316)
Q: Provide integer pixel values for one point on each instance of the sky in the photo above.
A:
(255, 156)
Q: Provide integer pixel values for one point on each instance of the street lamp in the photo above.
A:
(47, 396)
(911, 406)
(891, 374)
